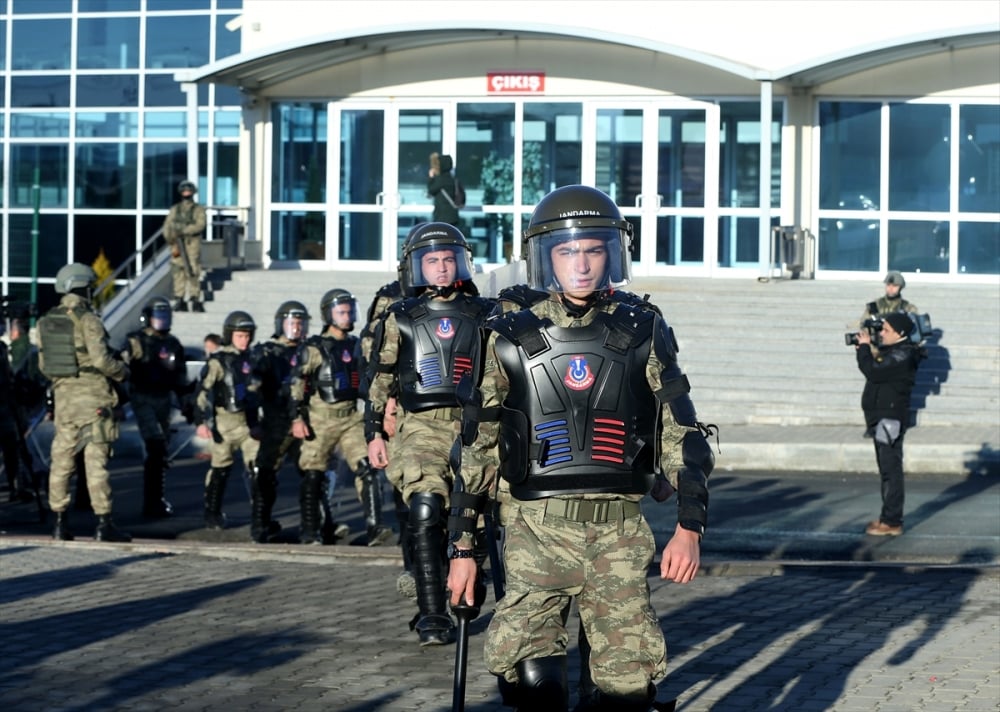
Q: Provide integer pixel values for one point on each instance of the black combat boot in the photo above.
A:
(371, 499)
(215, 490)
(197, 306)
(310, 493)
(154, 506)
(180, 305)
(263, 493)
(107, 531)
(433, 625)
(61, 530)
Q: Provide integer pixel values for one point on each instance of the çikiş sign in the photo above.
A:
(515, 82)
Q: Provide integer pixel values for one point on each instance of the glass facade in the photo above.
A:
(95, 119)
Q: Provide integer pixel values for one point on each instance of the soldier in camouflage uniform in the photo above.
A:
(274, 361)
(892, 301)
(581, 407)
(74, 354)
(159, 369)
(421, 349)
(226, 410)
(324, 403)
(183, 230)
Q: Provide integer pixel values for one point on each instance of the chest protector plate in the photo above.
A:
(161, 367)
(57, 354)
(231, 392)
(439, 342)
(338, 377)
(580, 416)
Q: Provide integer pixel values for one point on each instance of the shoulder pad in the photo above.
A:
(664, 342)
(634, 300)
(522, 295)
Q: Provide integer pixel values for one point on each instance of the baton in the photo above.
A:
(464, 613)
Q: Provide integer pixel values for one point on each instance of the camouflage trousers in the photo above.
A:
(548, 561)
(232, 428)
(152, 415)
(82, 429)
(420, 453)
(337, 427)
(183, 281)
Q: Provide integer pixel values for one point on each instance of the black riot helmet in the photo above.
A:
(426, 268)
(75, 278)
(284, 324)
(573, 216)
(237, 321)
(186, 185)
(156, 314)
(336, 297)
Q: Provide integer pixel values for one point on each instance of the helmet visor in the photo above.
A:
(160, 318)
(295, 325)
(579, 260)
(342, 312)
(439, 266)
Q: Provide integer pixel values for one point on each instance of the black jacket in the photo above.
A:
(889, 381)
(444, 211)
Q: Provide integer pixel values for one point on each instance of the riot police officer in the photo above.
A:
(74, 354)
(274, 361)
(159, 369)
(226, 410)
(581, 406)
(183, 230)
(426, 342)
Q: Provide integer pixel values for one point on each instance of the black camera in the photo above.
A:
(921, 329)
(872, 326)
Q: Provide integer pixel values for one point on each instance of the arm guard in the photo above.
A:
(459, 522)
(374, 427)
(692, 499)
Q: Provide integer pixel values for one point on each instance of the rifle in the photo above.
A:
(185, 257)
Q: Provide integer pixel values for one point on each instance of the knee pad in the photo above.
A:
(426, 509)
(542, 683)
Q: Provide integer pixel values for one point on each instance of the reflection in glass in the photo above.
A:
(49, 90)
(52, 232)
(362, 150)
(850, 146)
(298, 235)
(919, 156)
(979, 159)
(227, 42)
(681, 158)
(300, 153)
(227, 159)
(107, 90)
(739, 154)
(164, 165)
(107, 43)
(979, 248)
(918, 246)
(165, 124)
(738, 238)
(485, 160)
(39, 124)
(113, 124)
(419, 136)
(177, 41)
(848, 244)
(112, 234)
(40, 44)
(35, 7)
(619, 154)
(108, 5)
(553, 148)
(105, 175)
(52, 161)
(679, 240)
(360, 236)
(162, 90)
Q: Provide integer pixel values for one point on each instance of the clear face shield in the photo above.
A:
(343, 314)
(579, 260)
(295, 326)
(439, 266)
(160, 318)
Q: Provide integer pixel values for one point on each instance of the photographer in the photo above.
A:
(889, 379)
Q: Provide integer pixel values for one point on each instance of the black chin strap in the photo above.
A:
(578, 310)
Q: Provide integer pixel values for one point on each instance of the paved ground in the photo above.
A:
(795, 609)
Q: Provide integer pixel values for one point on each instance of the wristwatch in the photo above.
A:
(455, 553)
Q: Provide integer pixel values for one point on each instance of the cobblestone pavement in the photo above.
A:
(89, 626)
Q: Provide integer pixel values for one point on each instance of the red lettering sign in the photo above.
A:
(515, 83)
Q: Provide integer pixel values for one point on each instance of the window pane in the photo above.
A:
(738, 238)
(420, 135)
(848, 244)
(679, 240)
(107, 90)
(227, 42)
(553, 148)
(362, 143)
(619, 154)
(40, 124)
(111, 124)
(919, 176)
(3, 44)
(112, 234)
(105, 175)
(227, 158)
(39, 91)
(979, 159)
(739, 154)
(300, 153)
(108, 43)
(108, 5)
(52, 162)
(850, 149)
(484, 160)
(165, 124)
(164, 165)
(177, 41)
(360, 236)
(979, 248)
(40, 44)
(227, 95)
(162, 90)
(681, 158)
(52, 231)
(227, 124)
(298, 235)
(35, 7)
(918, 246)
(154, 5)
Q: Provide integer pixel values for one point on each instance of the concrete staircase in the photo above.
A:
(767, 361)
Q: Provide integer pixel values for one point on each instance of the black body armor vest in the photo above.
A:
(580, 416)
(440, 341)
(274, 362)
(231, 392)
(337, 378)
(161, 368)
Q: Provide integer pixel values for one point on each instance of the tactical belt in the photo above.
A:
(597, 511)
(342, 409)
(449, 414)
